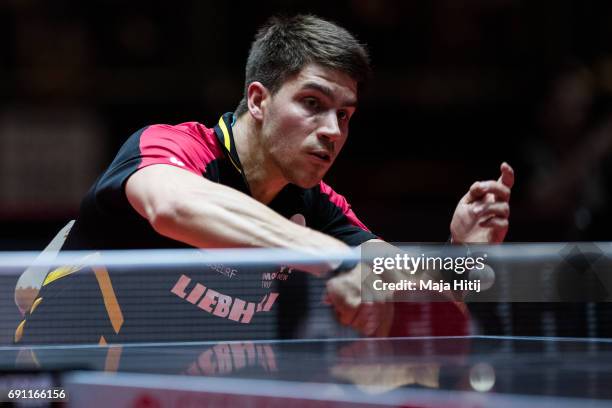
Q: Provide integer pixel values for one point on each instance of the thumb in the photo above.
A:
(507, 175)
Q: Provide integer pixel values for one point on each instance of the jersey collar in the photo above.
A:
(223, 130)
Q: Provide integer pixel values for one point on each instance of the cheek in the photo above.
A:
(293, 119)
(293, 131)
(281, 141)
(288, 129)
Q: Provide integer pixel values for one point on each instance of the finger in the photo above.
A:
(339, 292)
(480, 189)
(384, 328)
(489, 198)
(346, 315)
(495, 222)
(374, 319)
(366, 320)
(507, 175)
(339, 302)
(489, 210)
(345, 304)
(333, 297)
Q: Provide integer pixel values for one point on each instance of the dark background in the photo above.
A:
(459, 87)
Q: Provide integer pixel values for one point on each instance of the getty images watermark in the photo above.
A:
(409, 265)
(420, 273)
(559, 272)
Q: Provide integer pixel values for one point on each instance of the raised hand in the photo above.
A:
(482, 213)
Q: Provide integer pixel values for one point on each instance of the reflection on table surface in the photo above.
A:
(528, 366)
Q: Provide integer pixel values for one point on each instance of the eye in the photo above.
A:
(311, 104)
(343, 115)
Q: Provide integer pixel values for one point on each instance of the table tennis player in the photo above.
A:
(255, 179)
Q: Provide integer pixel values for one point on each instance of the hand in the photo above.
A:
(482, 214)
(369, 319)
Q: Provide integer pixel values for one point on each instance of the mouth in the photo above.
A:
(321, 156)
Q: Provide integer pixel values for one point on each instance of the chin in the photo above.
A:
(304, 177)
(306, 182)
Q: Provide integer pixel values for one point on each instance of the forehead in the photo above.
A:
(317, 77)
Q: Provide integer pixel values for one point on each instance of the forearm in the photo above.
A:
(223, 217)
(201, 213)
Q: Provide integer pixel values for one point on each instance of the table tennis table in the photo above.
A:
(320, 363)
(467, 371)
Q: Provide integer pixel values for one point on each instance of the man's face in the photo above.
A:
(305, 124)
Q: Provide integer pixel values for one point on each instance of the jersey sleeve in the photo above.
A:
(332, 215)
(181, 146)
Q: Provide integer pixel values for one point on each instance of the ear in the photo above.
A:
(257, 96)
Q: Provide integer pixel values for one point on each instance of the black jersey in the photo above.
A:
(92, 303)
(108, 221)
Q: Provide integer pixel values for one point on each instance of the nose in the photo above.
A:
(330, 130)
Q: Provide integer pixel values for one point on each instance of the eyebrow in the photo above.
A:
(328, 92)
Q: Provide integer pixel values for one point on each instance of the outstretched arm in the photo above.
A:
(188, 208)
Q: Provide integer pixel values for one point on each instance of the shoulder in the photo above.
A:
(328, 193)
(188, 133)
(189, 142)
(331, 206)
(324, 196)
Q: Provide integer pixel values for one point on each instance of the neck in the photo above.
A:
(264, 178)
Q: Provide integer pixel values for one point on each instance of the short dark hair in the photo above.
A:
(284, 45)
